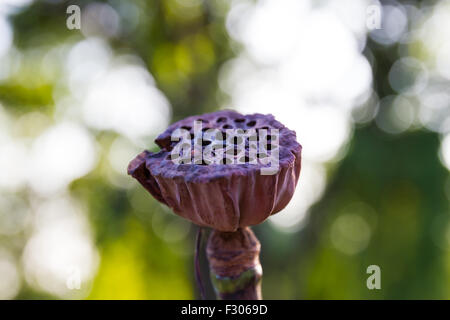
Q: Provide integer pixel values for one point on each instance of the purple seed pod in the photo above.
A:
(248, 180)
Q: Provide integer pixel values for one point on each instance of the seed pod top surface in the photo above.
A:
(228, 194)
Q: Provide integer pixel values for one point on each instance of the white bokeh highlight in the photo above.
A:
(60, 243)
(60, 155)
(303, 64)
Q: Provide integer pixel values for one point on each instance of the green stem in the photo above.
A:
(235, 269)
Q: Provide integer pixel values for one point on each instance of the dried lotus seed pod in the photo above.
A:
(240, 191)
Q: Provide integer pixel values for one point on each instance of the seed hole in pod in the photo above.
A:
(239, 120)
(185, 146)
(172, 156)
(186, 128)
(231, 152)
(245, 159)
(205, 143)
(226, 126)
(221, 119)
(264, 128)
(237, 140)
(202, 120)
(226, 161)
(201, 162)
(262, 155)
(218, 146)
(251, 123)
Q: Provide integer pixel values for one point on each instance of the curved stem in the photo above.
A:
(235, 269)
(198, 277)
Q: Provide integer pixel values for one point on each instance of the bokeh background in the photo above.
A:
(370, 105)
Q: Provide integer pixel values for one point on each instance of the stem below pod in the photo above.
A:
(234, 265)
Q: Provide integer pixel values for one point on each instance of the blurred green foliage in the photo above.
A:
(183, 48)
(396, 183)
